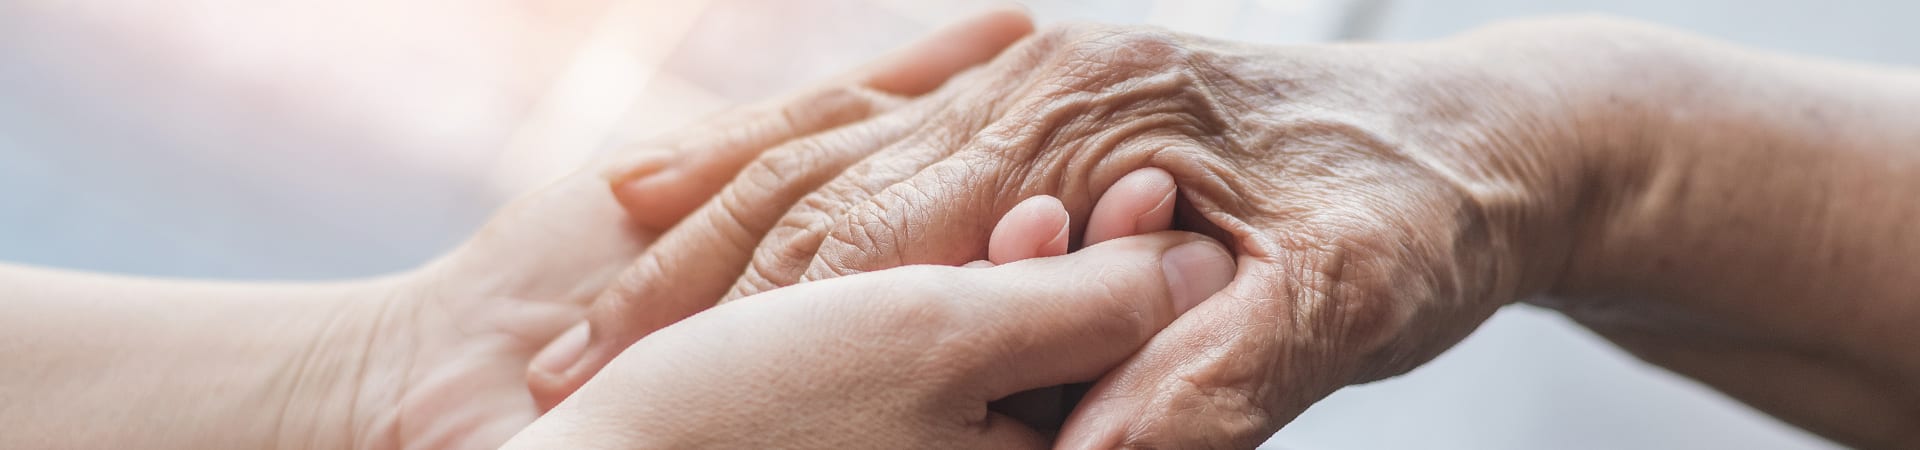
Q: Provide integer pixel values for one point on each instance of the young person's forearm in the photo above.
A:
(1767, 207)
(98, 361)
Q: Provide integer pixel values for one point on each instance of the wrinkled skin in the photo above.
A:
(1369, 238)
(447, 346)
(1382, 201)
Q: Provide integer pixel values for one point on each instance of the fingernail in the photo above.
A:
(1160, 216)
(1060, 242)
(1195, 271)
(563, 352)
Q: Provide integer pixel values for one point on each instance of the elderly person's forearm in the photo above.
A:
(1757, 230)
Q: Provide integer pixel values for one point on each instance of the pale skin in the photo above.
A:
(432, 358)
(177, 342)
(1736, 216)
(912, 357)
(1741, 217)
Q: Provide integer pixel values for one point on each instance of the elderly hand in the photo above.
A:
(1383, 201)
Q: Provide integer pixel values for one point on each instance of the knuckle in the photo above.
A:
(789, 247)
(782, 256)
(1105, 88)
(838, 104)
(879, 226)
(627, 293)
(731, 221)
(644, 274)
(1110, 56)
(769, 171)
(844, 253)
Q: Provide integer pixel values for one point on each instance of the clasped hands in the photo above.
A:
(921, 253)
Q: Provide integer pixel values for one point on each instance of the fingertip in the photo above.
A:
(566, 364)
(1195, 271)
(1141, 202)
(924, 65)
(1160, 216)
(1061, 222)
(659, 199)
(563, 351)
(547, 371)
(548, 388)
(1192, 267)
(1008, 19)
(1066, 305)
(1036, 227)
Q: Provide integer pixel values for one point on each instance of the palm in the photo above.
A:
(466, 326)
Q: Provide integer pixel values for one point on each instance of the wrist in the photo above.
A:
(1533, 122)
(1580, 106)
(344, 376)
(172, 364)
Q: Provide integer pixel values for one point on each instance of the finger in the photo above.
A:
(1223, 404)
(1037, 227)
(1072, 318)
(691, 267)
(660, 187)
(783, 255)
(1141, 202)
(1349, 294)
(788, 254)
(929, 62)
(940, 215)
(1276, 341)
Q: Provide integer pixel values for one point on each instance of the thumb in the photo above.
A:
(1228, 377)
(1072, 318)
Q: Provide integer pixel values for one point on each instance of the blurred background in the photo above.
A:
(319, 139)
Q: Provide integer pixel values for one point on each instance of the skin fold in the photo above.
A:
(1733, 215)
